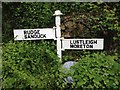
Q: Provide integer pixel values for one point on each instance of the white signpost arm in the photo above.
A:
(58, 32)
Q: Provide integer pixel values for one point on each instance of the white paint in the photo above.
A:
(48, 32)
(66, 44)
(58, 32)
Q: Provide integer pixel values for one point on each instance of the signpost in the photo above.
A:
(58, 32)
(55, 33)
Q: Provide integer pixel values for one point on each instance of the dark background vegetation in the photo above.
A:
(34, 64)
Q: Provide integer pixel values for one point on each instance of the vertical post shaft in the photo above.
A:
(58, 33)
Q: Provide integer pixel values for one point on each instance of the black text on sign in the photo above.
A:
(82, 44)
(34, 34)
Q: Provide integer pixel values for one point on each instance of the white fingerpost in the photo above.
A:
(57, 15)
(55, 33)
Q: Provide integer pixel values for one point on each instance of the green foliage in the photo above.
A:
(96, 71)
(35, 65)
(30, 65)
(97, 16)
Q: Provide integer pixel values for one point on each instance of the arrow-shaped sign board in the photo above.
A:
(89, 44)
(34, 34)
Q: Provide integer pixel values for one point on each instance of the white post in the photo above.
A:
(58, 32)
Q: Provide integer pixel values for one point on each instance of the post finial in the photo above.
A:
(57, 13)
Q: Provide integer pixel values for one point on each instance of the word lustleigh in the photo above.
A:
(82, 43)
(78, 42)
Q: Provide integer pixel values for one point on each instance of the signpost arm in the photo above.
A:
(58, 32)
